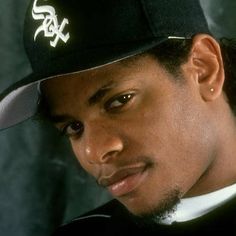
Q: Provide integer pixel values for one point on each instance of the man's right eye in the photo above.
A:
(73, 129)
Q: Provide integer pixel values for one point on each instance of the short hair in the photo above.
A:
(174, 52)
(228, 48)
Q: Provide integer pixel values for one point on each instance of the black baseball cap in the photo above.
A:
(68, 36)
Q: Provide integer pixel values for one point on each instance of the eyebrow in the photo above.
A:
(59, 118)
(100, 93)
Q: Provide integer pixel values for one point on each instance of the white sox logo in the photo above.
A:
(50, 25)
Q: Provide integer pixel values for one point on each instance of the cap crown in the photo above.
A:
(68, 35)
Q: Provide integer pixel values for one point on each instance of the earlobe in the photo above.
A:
(207, 65)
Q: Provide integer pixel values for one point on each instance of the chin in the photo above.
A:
(149, 217)
(147, 210)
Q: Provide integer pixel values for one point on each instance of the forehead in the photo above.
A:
(113, 74)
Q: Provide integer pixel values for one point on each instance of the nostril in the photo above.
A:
(109, 156)
(101, 159)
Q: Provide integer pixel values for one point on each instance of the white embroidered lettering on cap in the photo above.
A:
(50, 25)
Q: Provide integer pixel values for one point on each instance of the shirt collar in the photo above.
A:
(194, 207)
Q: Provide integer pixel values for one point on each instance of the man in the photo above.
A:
(141, 91)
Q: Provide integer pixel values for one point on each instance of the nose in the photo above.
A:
(101, 143)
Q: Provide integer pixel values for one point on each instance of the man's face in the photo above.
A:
(141, 133)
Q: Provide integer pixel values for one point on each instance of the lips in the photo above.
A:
(124, 181)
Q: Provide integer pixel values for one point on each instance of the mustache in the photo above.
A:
(111, 174)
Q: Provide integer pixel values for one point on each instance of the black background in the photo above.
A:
(41, 184)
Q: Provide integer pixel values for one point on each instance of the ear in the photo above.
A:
(207, 67)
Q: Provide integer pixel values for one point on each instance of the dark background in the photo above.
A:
(41, 184)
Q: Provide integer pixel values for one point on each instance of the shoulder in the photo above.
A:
(96, 221)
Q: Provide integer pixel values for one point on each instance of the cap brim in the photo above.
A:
(19, 102)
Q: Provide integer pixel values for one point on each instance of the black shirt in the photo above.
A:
(113, 219)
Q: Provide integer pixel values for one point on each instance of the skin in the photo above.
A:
(175, 138)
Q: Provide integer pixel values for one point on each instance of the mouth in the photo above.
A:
(124, 181)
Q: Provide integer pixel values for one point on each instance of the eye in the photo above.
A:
(73, 129)
(118, 102)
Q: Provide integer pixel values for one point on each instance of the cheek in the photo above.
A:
(81, 157)
(178, 136)
(188, 140)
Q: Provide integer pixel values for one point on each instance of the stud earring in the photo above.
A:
(212, 90)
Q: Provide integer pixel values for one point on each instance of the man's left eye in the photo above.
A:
(118, 102)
